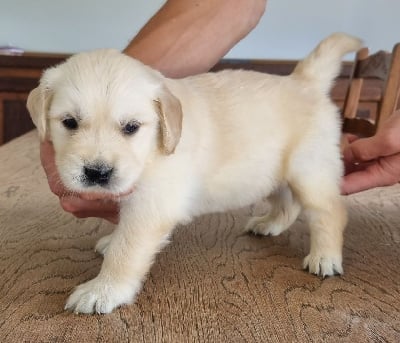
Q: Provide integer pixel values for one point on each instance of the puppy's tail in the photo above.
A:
(323, 64)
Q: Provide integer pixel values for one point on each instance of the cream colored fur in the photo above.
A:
(207, 143)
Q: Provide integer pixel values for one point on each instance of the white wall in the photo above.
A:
(288, 30)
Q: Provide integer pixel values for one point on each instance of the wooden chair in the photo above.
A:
(381, 65)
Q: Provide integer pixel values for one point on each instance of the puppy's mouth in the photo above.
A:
(102, 187)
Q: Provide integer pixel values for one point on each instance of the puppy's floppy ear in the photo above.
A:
(39, 101)
(36, 105)
(170, 113)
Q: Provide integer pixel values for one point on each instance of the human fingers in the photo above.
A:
(349, 137)
(368, 149)
(385, 142)
(82, 208)
(351, 167)
(383, 172)
(105, 196)
(356, 182)
(48, 162)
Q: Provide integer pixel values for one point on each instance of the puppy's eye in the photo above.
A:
(131, 128)
(70, 123)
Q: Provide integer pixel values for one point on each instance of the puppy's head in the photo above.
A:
(107, 116)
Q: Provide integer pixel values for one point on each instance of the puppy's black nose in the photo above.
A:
(99, 174)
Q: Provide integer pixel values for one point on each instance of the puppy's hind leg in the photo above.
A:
(327, 218)
(284, 211)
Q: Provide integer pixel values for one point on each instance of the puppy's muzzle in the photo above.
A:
(97, 174)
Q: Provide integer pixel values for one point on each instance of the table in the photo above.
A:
(211, 284)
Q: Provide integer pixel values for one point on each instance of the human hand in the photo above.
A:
(81, 205)
(373, 161)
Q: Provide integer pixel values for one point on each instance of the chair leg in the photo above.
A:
(391, 88)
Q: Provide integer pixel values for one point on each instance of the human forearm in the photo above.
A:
(189, 36)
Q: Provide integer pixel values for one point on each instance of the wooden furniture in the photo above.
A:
(382, 66)
(212, 283)
(20, 74)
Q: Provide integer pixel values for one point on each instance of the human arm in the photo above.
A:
(186, 37)
(373, 161)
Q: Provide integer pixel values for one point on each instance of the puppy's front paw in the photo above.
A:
(102, 244)
(100, 296)
(323, 265)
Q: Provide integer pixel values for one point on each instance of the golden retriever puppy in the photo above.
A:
(206, 143)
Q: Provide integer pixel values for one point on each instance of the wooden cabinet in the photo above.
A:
(20, 74)
(14, 118)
